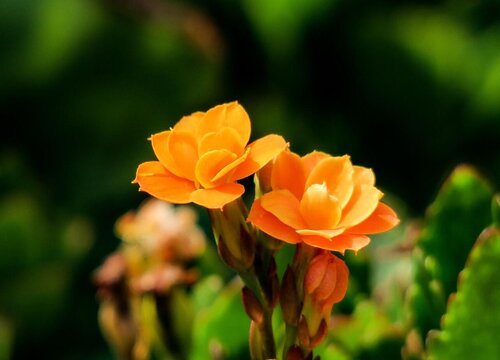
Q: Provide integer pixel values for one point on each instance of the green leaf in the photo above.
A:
(459, 213)
(472, 323)
(222, 329)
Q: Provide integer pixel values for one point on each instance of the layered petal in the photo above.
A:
(210, 164)
(160, 147)
(157, 181)
(382, 219)
(363, 203)
(260, 153)
(271, 225)
(311, 160)
(319, 209)
(337, 173)
(363, 176)
(226, 138)
(190, 123)
(327, 234)
(183, 149)
(232, 115)
(339, 243)
(288, 173)
(216, 198)
(285, 206)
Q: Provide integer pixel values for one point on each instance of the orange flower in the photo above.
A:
(322, 200)
(203, 156)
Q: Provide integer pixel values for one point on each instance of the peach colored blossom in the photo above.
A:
(323, 201)
(203, 155)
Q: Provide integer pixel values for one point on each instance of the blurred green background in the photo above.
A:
(409, 88)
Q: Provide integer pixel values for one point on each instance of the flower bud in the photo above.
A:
(252, 306)
(325, 284)
(235, 243)
(289, 298)
(295, 353)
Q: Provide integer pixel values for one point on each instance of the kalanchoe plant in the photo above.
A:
(318, 202)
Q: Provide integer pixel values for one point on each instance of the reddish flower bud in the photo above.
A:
(252, 306)
(325, 284)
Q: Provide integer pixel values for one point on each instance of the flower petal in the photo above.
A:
(271, 225)
(230, 114)
(327, 234)
(217, 197)
(319, 209)
(311, 160)
(285, 206)
(160, 147)
(382, 219)
(226, 138)
(261, 152)
(363, 176)
(339, 243)
(337, 173)
(212, 163)
(183, 149)
(288, 173)
(190, 123)
(363, 203)
(157, 181)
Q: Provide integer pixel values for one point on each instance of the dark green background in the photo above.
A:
(409, 88)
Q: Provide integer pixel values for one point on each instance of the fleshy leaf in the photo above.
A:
(471, 325)
(453, 222)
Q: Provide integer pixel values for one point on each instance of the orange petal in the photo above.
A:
(225, 173)
(337, 173)
(271, 225)
(210, 164)
(285, 206)
(217, 197)
(190, 123)
(232, 115)
(319, 209)
(382, 219)
(226, 138)
(183, 150)
(363, 176)
(327, 234)
(363, 203)
(288, 173)
(160, 148)
(339, 243)
(157, 181)
(341, 283)
(310, 160)
(261, 152)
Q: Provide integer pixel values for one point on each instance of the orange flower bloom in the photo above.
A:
(323, 201)
(203, 156)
